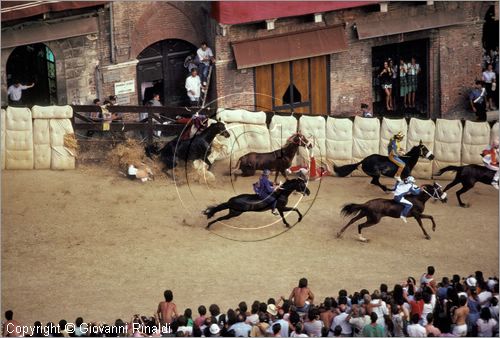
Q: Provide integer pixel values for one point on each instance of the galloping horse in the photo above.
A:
(251, 202)
(278, 160)
(468, 175)
(377, 208)
(196, 148)
(376, 165)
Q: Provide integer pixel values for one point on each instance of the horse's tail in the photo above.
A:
(351, 209)
(448, 168)
(211, 211)
(345, 170)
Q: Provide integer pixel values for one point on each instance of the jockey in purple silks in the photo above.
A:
(264, 189)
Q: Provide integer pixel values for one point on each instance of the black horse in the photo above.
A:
(196, 148)
(251, 202)
(376, 165)
(375, 209)
(468, 175)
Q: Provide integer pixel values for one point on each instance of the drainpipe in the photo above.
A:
(112, 33)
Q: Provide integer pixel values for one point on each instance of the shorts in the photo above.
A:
(387, 86)
(460, 330)
(412, 83)
(403, 86)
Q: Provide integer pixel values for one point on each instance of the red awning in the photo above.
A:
(290, 46)
(237, 12)
(13, 10)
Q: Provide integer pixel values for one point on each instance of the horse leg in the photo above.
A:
(354, 219)
(293, 209)
(465, 188)
(232, 213)
(370, 220)
(432, 220)
(376, 181)
(452, 183)
(280, 210)
(419, 221)
(276, 177)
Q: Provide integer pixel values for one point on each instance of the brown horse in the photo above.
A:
(278, 160)
(377, 208)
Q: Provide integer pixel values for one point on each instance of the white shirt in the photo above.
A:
(380, 311)
(484, 297)
(416, 330)
(204, 54)
(193, 83)
(403, 188)
(359, 323)
(413, 69)
(341, 321)
(485, 329)
(15, 93)
(488, 76)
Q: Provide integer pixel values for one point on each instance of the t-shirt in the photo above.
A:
(488, 76)
(484, 298)
(193, 83)
(475, 93)
(241, 329)
(380, 311)
(204, 54)
(416, 330)
(15, 93)
(373, 331)
(358, 323)
(397, 321)
(485, 329)
(313, 329)
(413, 69)
(341, 321)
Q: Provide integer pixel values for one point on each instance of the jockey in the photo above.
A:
(264, 189)
(401, 190)
(490, 159)
(394, 149)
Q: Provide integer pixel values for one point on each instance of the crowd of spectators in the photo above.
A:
(454, 306)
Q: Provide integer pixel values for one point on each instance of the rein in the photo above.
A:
(434, 195)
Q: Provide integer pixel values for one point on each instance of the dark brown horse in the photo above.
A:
(278, 160)
(468, 175)
(377, 208)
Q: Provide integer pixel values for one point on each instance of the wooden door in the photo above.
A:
(300, 86)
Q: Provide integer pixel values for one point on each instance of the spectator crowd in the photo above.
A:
(454, 306)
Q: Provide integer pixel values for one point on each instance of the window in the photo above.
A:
(292, 95)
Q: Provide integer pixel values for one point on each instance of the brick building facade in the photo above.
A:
(115, 50)
(87, 66)
(453, 62)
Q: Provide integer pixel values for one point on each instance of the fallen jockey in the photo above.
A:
(314, 171)
(195, 124)
(264, 189)
(490, 159)
(394, 149)
(401, 189)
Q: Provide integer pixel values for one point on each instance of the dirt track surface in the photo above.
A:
(90, 243)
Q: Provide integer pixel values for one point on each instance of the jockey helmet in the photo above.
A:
(399, 136)
(496, 143)
(266, 172)
(410, 179)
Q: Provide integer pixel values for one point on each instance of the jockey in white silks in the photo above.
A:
(401, 189)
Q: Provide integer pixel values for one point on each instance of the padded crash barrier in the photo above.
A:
(476, 138)
(38, 138)
(447, 146)
(339, 141)
(421, 130)
(366, 140)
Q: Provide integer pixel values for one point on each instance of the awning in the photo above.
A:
(13, 10)
(373, 29)
(48, 32)
(290, 46)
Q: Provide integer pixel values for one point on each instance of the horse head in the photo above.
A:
(424, 151)
(435, 191)
(300, 140)
(297, 184)
(220, 128)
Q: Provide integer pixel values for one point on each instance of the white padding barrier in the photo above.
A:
(447, 145)
(494, 132)
(280, 129)
(52, 112)
(421, 130)
(18, 139)
(476, 138)
(41, 144)
(314, 129)
(388, 129)
(241, 115)
(339, 141)
(61, 157)
(366, 140)
(2, 137)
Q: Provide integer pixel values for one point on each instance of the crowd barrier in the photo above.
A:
(37, 138)
(344, 141)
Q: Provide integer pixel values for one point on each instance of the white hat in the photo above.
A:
(271, 309)
(214, 329)
(491, 284)
(471, 281)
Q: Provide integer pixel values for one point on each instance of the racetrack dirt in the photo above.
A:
(91, 243)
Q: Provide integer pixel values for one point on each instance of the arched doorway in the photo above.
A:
(490, 30)
(34, 63)
(161, 70)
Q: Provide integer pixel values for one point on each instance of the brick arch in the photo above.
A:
(161, 23)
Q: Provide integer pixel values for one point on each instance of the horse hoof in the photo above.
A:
(466, 205)
(362, 239)
(287, 225)
(428, 237)
(339, 235)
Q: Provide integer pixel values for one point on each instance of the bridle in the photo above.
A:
(300, 141)
(435, 195)
(429, 153)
